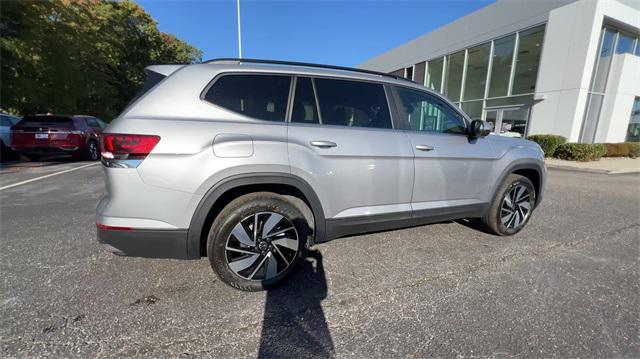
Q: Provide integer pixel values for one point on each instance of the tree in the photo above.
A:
(88, 56)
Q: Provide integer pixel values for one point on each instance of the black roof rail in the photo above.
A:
(305, 64)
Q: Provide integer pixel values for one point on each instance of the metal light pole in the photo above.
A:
(239, 32)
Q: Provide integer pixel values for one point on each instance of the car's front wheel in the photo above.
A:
(257, 240)
(512, 206)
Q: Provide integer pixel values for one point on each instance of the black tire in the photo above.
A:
(498, 219)
(93, 152)
(240, 215)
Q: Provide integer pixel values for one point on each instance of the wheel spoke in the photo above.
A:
(520, 191)
(272, 266)
(259, 266)
(238, 250)
(241, 235)
(287, 242)
(507, 200)
(242, 264)
(517, 219)
(281, 255)
(279, 232)
(255, 228)
(271, 222)
(526, 205)
(506, 219)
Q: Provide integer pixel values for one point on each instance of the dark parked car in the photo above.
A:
(76, 135)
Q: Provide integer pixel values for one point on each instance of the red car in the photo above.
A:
(76, 135)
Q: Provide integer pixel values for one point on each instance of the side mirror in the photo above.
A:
(476, 129)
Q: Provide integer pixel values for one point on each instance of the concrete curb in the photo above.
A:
(593, 170)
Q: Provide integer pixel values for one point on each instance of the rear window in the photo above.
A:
(352, 103)
(263, 97)
(46, 121)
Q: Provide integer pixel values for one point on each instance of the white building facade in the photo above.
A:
(565, 67)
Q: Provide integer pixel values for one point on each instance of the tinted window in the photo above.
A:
(93, 123)
(259, 96)
(426, 112)
(352, 103)
(304, 102)
(46, 121)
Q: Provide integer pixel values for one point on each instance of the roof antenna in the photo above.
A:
(239, 32)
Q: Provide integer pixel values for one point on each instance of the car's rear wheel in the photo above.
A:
(93, 153)
(257, 240)
(512, 206)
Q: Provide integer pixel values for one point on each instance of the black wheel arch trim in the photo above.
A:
(523, 164)
(206, 204)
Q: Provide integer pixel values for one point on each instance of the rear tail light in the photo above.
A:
(126, 150)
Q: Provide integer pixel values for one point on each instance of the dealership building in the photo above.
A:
(563, 67)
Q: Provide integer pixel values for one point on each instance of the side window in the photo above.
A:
(426, 112)
(352, 103)
(304, 102)
(102, 124)
(259, 96)
(93, 123)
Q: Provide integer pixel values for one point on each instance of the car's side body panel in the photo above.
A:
(373, 179)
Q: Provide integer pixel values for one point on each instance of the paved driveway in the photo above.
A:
(567, 286)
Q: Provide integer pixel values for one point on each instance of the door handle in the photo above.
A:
(323, 144)
(424, 148)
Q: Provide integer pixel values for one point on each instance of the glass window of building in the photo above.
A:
(602, 69)
(408, 73)
(453, 77)
(434, 74)
(633, 131)
(473, 109)
(625, 44)
(527, 61)
(418, 73)
(501, 66)
(476, 75)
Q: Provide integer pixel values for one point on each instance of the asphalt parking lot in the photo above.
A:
(567, 286)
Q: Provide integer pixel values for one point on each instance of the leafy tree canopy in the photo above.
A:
(82, 56)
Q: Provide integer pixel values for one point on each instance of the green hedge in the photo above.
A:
(549, 143)
(580, 151)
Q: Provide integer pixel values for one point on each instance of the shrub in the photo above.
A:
(581, 151)
(617, 149)
(549, 143)
(634, 149)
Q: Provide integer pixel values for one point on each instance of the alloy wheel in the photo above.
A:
(516, 207)
(93, 151)
(261, 246)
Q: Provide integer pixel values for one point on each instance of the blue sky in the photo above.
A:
(334, 32)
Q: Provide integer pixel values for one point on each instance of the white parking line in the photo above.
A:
(47, 176)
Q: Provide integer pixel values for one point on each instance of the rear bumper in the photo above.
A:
(46, 150)
(145, 243)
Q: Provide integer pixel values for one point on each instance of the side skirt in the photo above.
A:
(341, 227)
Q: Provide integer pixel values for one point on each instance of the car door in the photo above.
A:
(451, 170)
(342, 141)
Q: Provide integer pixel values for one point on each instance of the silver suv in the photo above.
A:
(250, 162)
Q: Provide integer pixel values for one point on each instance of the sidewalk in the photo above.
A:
(607, 165)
